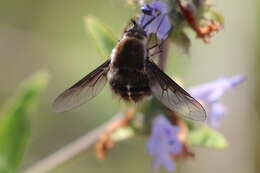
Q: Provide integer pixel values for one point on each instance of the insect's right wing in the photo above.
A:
(84, 90)
(172, 95)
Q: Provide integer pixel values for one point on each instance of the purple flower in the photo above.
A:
(209, 94)
(163, 143)
(155, 20)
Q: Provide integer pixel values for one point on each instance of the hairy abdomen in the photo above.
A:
(130, 84)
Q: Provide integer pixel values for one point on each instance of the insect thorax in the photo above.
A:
(129, 53)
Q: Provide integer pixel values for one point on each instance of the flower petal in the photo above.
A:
(155, 20)
(164, 142)
(217, 111)
(209, 94)
(212, 91)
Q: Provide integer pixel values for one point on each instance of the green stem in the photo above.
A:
(71, 150)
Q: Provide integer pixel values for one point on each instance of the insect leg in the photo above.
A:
(163, 17)
(150, 21)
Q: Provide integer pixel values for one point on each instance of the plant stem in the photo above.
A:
(71, 150)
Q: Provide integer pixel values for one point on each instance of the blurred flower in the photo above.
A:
(155, 20)
(204, 27)
(163, 143)
(216, 112)
(183, 138)
(209, 94)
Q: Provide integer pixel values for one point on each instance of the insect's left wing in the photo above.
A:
(172, 95)
(83, 90)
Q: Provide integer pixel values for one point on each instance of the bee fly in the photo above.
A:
(133, 77)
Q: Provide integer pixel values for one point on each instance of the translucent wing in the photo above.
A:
(172, 95)
(84, 90)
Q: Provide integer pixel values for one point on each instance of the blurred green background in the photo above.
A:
(51, 35)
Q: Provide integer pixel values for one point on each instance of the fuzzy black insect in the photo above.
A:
(132, 76)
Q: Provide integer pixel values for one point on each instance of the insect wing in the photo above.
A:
(84, 90)
(172, 95)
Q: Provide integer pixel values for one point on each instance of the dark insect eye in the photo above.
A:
(132, 31)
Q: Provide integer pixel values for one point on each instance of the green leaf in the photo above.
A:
(14, 125)
(102, 35)
(206, 137)
(215, 15)
(181, 41)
